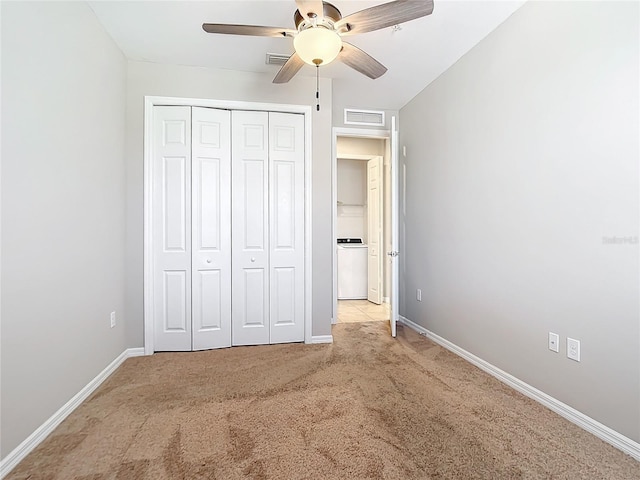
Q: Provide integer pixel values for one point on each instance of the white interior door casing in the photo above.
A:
(286, 209)
(395, 212)
(375, 230)
(171, 228)
(250, 228)
(211, 235)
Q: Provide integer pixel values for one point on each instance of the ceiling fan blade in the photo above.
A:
(385, 15)
(306, 7)
(254, 30)
(362, 62)
(289, 69)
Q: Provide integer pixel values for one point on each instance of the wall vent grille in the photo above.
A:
(363, 117)
(277, 58)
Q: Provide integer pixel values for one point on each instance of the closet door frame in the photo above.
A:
(153, 101)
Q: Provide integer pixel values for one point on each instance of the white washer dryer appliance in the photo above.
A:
(352, 269)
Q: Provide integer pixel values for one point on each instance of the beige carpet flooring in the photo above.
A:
(366, 407)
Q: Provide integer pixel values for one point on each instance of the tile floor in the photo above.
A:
(354, 311)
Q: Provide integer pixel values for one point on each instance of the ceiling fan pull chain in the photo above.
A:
(318, 87)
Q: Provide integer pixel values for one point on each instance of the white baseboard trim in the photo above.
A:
(386, 300)
(585, 422)
(135, 352)
(322, 339)
(9, 462)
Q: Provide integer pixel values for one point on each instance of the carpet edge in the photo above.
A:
(14, 457)
(607, 434)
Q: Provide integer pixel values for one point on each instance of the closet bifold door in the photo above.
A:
(171, 225)
(211, 235)
(286, 212)
(250, 228)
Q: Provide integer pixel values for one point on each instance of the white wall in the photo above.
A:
(521, 159)
(360, 146)
(352, 181)
(63, 122)
(195, 82)
(351, 221)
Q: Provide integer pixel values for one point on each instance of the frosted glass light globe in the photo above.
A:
(317, 45)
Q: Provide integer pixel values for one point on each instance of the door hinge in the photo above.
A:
(393, 253)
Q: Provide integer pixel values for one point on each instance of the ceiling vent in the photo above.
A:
(277, 58)
(370, 118)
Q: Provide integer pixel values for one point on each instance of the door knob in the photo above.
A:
(208, 260)
(253, 259)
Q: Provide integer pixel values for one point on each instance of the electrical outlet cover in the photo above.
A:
(573, 349)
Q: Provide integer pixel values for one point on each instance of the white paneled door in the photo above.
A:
(228, 228)
(375, 232)
(267, 228)
(250, 228)
(172, 228)
(286, 200)
(211, 235)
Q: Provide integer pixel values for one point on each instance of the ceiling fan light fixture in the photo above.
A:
(318, 32)
(317, 45)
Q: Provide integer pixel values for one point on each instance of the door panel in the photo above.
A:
(249, 228)
(211, 215)
(254, 312)
(283, 302)
(286, 195)
(208, 188)
(284, 222)
(171, 225)
(175, 311)
(175, 203)
(254, 211)
(375, 238)
(209, 285)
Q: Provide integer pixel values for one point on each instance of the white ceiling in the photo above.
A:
(170, 32)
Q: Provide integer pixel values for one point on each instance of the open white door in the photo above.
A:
(395, 212)
(375, 231)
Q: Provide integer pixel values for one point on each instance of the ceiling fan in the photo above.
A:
(319, 28)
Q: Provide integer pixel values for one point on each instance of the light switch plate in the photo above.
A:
(554, 342)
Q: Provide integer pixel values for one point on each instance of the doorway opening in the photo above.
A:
(361, 225)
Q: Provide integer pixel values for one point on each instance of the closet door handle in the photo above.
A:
(208, 260)
(253, 259)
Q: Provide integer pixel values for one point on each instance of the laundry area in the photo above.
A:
(362, 227)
